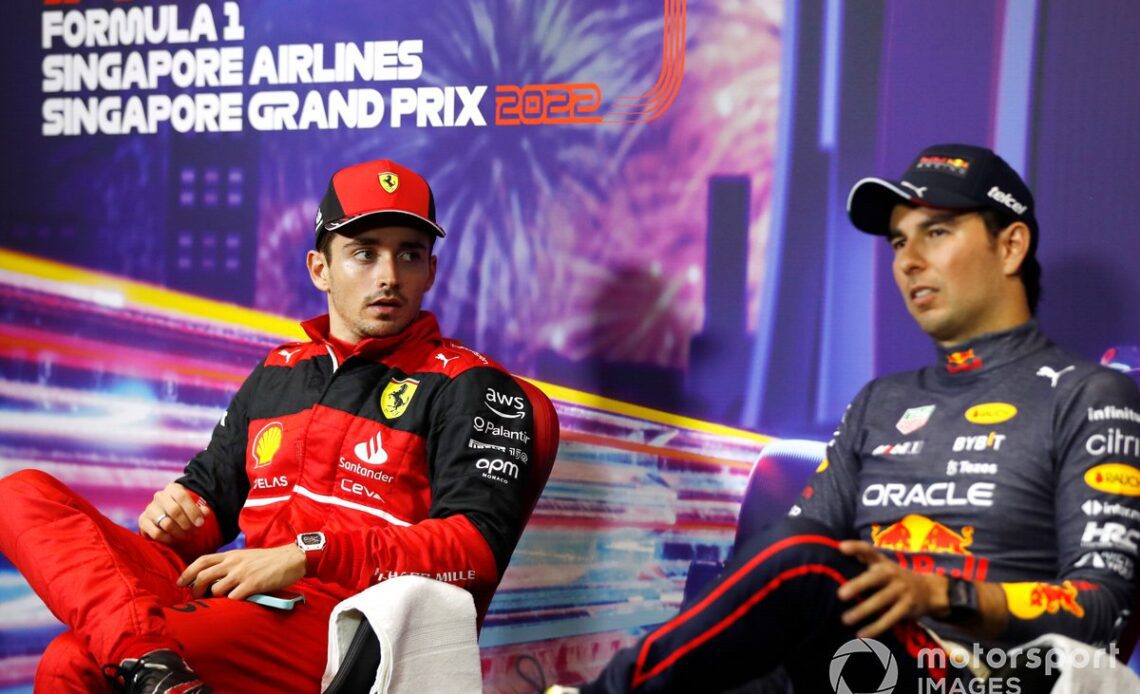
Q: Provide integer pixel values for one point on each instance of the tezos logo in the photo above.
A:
(495, 400)
(856, 646)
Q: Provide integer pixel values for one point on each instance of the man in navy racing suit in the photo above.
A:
(988, 499)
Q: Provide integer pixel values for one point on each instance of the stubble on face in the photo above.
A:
(948, 269)
(376, 280)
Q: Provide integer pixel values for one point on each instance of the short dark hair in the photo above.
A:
(1030, 270)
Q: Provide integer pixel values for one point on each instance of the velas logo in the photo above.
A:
(397, 396)
(915, 533)
(389, 181)
(990, 413)
(890, 667)
(1114, 478)
(956, 166)
(1007, 199)
(1031, 600)
(957, 362)
(914, 419)
(266, 443)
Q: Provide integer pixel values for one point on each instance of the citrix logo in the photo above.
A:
(516, 402)
(1007, 199)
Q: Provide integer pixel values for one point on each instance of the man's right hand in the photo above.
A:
(172, 514)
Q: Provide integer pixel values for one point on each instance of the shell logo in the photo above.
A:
(267, 443)
(991, 413)
(1114, 478)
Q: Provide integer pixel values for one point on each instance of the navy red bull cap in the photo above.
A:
(953, 177)
(381, 190)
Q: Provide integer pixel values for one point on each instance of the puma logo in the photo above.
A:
(445, 360)
(918, 190)
(287, 353)
(1053, 376)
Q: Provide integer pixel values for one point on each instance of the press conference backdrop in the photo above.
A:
(645, 210)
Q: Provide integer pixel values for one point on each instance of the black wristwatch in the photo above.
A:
(962, 595)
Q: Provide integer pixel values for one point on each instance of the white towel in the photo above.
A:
(1084, 669)
(427, 637)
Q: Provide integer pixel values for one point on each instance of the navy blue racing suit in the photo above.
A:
(1010, 462)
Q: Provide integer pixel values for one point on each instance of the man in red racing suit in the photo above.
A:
(378, 448)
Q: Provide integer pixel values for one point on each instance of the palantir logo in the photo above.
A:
(856, 646)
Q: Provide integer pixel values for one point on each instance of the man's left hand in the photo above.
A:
(892, 592)
(240, 573)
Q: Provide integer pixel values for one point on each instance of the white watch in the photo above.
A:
(313, 545)
(311, 542)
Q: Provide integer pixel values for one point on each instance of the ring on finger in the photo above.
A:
(158, 521)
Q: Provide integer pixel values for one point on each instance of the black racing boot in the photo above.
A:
(158, 672)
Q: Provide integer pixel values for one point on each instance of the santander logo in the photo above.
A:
(371, 452)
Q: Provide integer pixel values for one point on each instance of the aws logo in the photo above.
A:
(508, 406)
(991, 413)
(267, 443)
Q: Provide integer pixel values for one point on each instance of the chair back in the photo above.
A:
(780, 472)
(545, 443)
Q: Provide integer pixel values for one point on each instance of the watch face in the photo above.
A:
(311, 540)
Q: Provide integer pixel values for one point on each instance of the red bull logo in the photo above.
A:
(915, 533)
(957, 362)
(1031, 600)
(952, 165)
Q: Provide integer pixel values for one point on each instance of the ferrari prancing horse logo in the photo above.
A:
(389, 181)
(397, 396)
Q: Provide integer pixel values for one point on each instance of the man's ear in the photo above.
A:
(1013, 243)
(431, 272)
(318, 266)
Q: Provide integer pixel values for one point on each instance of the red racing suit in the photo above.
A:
(410, 454)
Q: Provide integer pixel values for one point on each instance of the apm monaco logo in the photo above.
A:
(266, 443)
